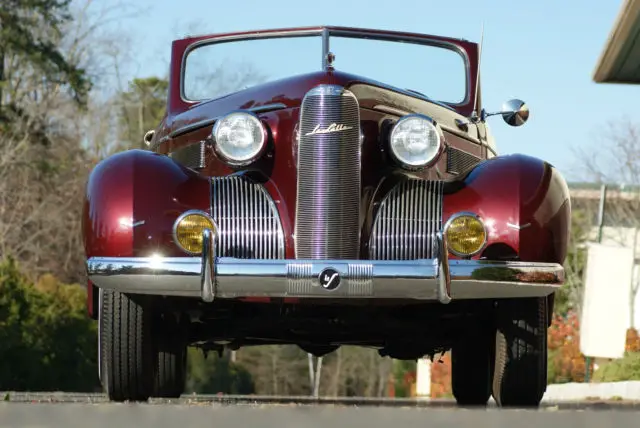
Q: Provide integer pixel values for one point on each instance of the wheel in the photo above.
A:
(472, 368)
(520, 377)
(126, 348)
(171, 362)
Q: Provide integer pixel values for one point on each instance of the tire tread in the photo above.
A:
(126, 348)
(520, 375)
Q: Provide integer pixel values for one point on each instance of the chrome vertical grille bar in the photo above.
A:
(327, 224)
(406, 223)
(248, 222)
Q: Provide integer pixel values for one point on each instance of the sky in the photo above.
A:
(543, 52)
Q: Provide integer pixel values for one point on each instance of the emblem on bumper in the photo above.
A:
(329, 279)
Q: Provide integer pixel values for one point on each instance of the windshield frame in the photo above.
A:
(325, 33)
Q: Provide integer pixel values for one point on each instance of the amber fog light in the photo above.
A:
(188, 229)
(465, 234)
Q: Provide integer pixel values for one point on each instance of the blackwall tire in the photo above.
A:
(520, 376)
(126, 348)
(171, 362)
(472, 369)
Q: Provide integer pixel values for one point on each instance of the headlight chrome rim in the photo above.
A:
(446, 233)
(219, 150)
(436, 156)
(181, 217)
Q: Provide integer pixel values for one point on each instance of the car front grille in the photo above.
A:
(327, 223)
(247, 218)
(192, 155)
(407, 221)
(459, 161)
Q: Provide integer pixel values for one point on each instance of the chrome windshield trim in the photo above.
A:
(328, 31)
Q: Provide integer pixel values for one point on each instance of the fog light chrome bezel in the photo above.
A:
(450, 222)
(181, 217)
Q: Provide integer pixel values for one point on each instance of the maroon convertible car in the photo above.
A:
(321, 187)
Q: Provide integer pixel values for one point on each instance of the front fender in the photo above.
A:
(523, 201)
(132, 199)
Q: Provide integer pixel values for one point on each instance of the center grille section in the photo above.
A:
(329, 151)
(247, 219)
(407, 221)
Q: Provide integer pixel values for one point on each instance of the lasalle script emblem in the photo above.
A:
(334, 127)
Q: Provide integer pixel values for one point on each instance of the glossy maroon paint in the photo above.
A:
(518, 190)
(138, 186)
(277, 170)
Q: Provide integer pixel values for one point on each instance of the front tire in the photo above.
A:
(171, 363)
(126, 348)
(520, 377)
(472, 368)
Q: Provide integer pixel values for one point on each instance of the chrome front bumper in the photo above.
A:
(440, 279)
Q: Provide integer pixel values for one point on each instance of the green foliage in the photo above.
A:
(626, 368)
(216, 374)
(404, 373)
(30, 30)
(142, 108)
(569, 296)
(553, 372)
(46, 340)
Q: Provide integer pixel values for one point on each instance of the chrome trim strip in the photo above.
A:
(399, 113)
(208, 278)
(193, 127)
(210, 121)
(325, 49)
(403, 279)
(444, 271)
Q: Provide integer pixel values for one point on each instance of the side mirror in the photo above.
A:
(515, 112)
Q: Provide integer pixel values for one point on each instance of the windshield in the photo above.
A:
(218, 68)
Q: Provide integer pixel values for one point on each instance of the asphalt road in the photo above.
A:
(196, 413)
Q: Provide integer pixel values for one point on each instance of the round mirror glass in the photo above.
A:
(515, 112)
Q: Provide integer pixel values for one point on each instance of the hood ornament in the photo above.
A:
(334, 127)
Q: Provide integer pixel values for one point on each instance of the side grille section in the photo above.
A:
(459, 161)
(329, 152)
(407, 221)
(191, 156)
(247, 218)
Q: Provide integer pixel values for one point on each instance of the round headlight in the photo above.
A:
(465, 234)
(188, 230)
(415, 141)
(239, 137)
